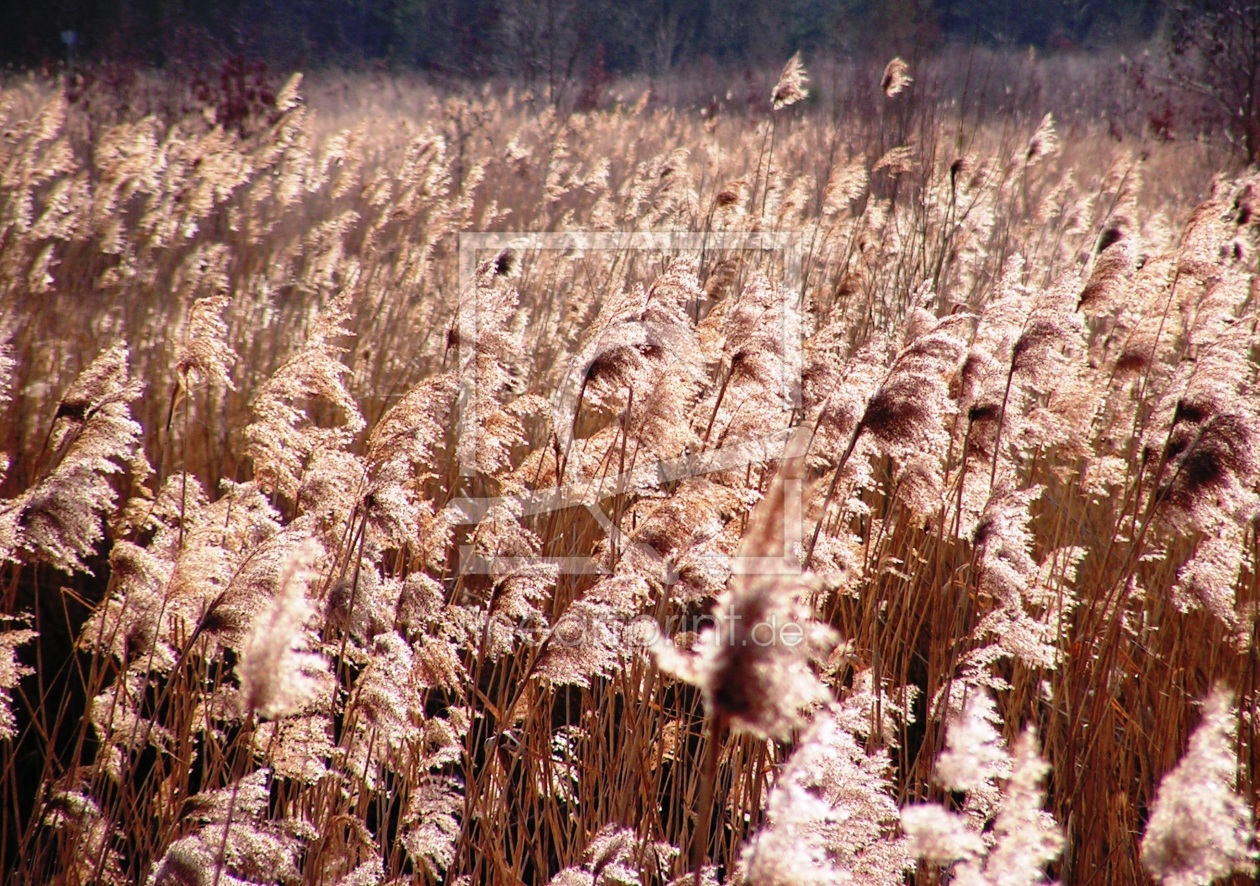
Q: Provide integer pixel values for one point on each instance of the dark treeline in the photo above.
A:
(543, 38)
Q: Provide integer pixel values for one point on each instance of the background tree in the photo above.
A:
(1215, 55)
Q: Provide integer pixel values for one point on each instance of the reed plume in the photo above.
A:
(896, 77)
(1199, 828)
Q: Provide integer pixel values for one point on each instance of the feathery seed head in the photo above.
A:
(278, 677)
(1044, 142)
(791, 86)
(1199, 828)
(753, 662)
(896, 77)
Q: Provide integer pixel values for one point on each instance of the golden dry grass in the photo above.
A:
(291, 593)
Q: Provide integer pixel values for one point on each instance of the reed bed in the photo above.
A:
(806, 491)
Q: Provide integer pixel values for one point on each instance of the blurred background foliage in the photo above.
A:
(549, 38)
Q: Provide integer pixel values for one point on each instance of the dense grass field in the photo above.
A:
(844, 478)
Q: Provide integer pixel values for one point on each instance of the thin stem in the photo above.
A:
(704, 803)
